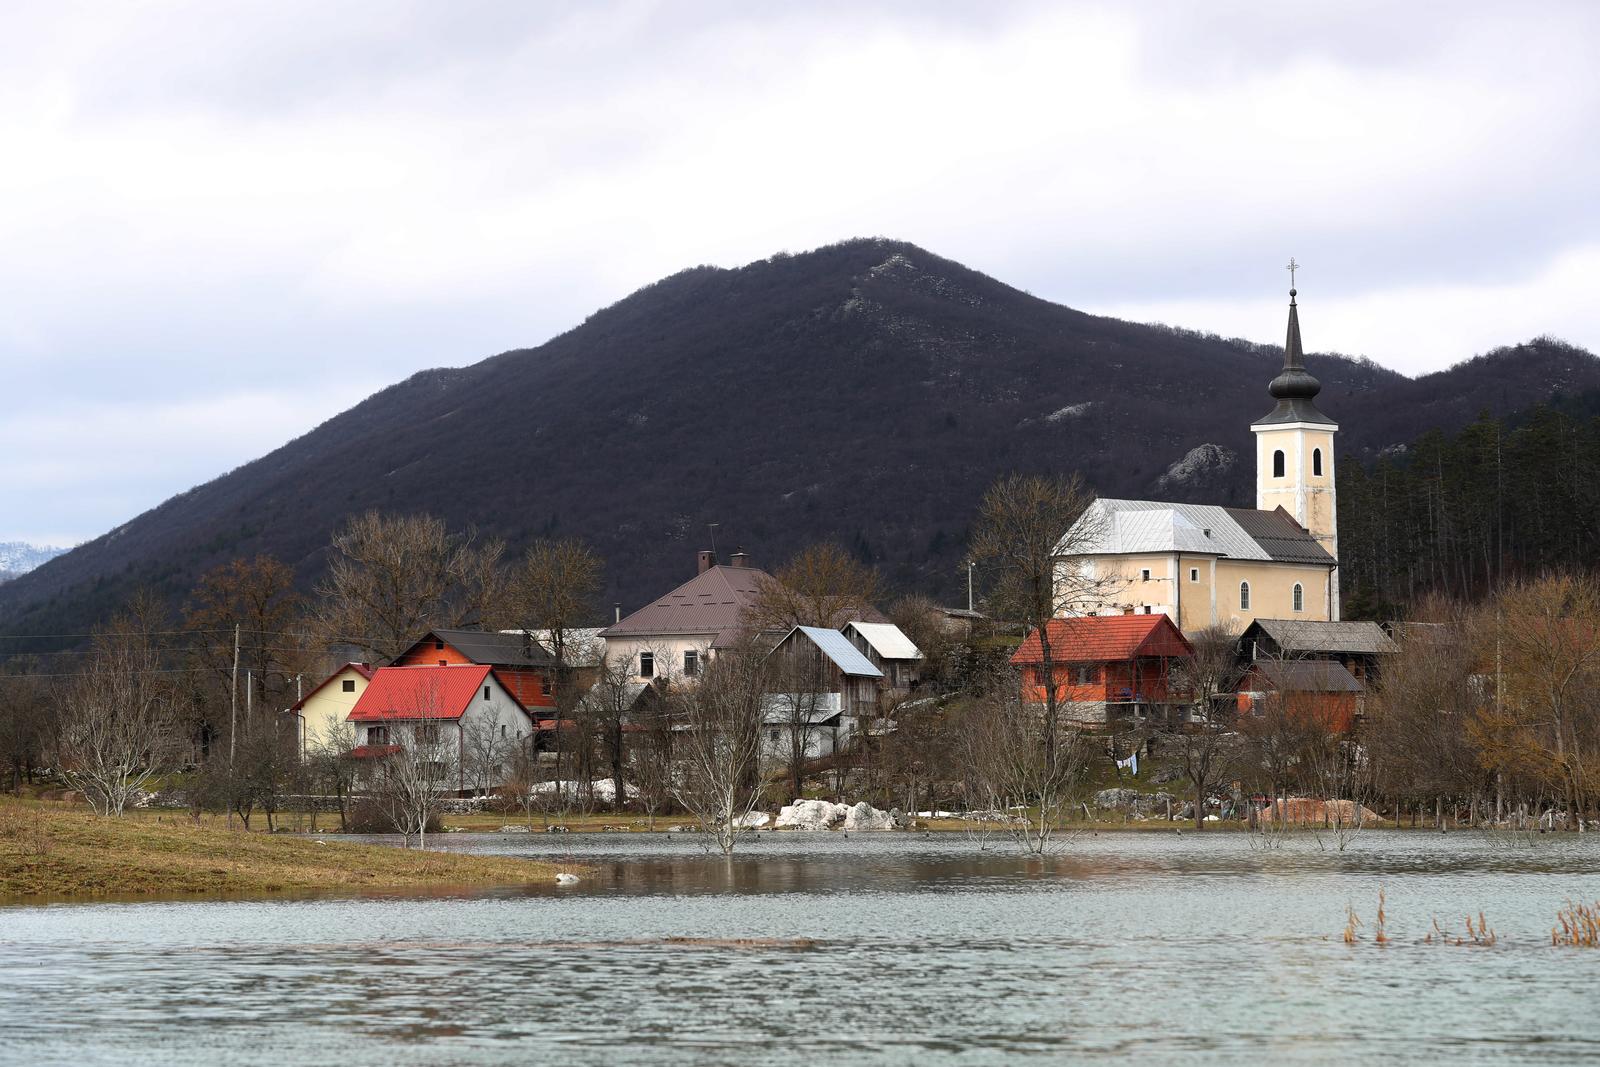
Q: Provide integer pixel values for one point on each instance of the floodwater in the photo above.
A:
(887, 948)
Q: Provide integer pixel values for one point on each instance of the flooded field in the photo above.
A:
(890, 948)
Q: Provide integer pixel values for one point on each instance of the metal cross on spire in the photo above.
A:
(1291, 268)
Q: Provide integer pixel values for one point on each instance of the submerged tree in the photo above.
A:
(719, 746)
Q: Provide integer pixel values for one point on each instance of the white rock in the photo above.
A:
(566, 879)
(752, 820)
(864, 816)
(811, 815)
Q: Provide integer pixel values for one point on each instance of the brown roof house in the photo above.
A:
(674, 636)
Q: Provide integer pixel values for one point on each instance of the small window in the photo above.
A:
(444, 663)
(1244, 593)
(375, 735)
(647, 664)
(504, 730)
(438, 646)
(1299, 597)
(1316, 462)
(1144, 575)
(1085, 675)
(1194, 574)
(1145, 610)
(427, 734)
(1277, 463)
(486, 692)
(544, 684)
(691, 663)
(348, 685)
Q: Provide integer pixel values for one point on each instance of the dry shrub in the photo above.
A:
(1478, 935)
(1580, 926)
(29, 830)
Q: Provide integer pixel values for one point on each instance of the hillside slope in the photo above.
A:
(865, 392)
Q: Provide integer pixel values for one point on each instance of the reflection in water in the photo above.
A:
(889, 948)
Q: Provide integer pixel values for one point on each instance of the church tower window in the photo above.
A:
(1299, 597)
(1316, 462)
(1244, 596)
(1277, 463)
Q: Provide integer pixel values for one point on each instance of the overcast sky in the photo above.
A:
(223, 223)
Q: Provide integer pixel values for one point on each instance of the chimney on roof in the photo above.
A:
(708, 559)
(617, 607)
(740, 558)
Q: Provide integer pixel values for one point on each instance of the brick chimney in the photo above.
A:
(740, 559)
(708, 559)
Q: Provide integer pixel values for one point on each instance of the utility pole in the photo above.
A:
(233, 719)
(969, 584)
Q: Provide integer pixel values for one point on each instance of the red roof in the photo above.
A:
(1105, 638)
(360, 668)
(420, 692)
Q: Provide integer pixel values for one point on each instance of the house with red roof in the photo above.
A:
(1108, 669)
(521, 662)
(462, 713)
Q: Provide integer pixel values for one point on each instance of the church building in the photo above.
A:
(1204, 565)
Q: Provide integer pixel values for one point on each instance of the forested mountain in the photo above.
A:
(18, 558)
(865, 392)
(1456, 513)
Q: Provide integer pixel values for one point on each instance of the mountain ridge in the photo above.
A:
(864, 392)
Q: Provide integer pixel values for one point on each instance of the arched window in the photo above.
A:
(1244, 590)
(1277, 464)
(1316, 462)
(1299, 598)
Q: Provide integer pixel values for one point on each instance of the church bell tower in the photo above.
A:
(1294, 451)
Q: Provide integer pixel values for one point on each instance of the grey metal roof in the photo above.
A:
(837, 647)
(886, 639)
(1125, 527)
(1303, 635)
(708, 603)
(1307, 676)
(515, 649)
(1280, 537)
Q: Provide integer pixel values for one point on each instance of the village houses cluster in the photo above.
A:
(1151, 575)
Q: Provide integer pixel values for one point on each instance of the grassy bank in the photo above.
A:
(56, 850)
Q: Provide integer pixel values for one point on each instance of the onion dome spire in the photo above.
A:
(1294, 388)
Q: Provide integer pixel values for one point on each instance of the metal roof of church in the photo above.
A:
(1127, 527)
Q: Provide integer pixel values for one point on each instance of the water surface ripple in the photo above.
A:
(888, 948)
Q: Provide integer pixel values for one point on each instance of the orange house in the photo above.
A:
(1318, 691)
(1107, 667)
(521, 664)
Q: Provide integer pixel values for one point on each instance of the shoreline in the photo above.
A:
(57, 852)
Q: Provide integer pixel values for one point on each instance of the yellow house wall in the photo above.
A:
(1122, 588)
(1306, 496)
(1271, 592)
(329, 707)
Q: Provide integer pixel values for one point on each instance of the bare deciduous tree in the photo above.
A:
(390, 578)
(1208, 749)
(117, 720)
(822, 586)
(556, 585)
(719, 778)
(1023, 764)
(1030, 529)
